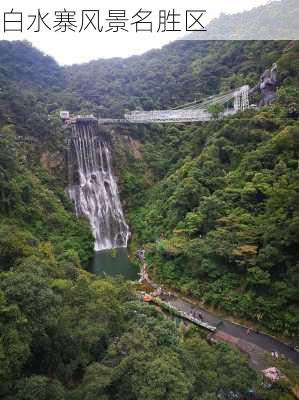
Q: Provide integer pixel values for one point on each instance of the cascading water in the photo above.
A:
(93, 188)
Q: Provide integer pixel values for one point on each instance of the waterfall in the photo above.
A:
(92, 186)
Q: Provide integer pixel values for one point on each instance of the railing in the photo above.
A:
(26, 139)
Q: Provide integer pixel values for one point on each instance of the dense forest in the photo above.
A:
(66, 334)
(275, 20)
(215, 206)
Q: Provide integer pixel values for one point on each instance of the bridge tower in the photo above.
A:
(241, 99)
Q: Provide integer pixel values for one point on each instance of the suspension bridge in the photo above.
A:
(196, 111)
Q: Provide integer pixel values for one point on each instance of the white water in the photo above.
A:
(93, 188)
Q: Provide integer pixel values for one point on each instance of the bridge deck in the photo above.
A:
(166, 116)
(192, 112)
(145, 117)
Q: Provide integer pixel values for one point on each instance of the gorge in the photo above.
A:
(214, 206)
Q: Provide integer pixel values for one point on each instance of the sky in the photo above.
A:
(78, 47)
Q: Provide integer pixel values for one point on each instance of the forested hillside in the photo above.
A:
(160, 79)
(273, 20)
(66, 334)
(29, 85)
(168, 77)
(218, 207)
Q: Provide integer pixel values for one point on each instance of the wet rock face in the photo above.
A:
(93, 188)
(136, 147)
(51, 161)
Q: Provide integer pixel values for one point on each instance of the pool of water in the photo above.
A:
(113, 262)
